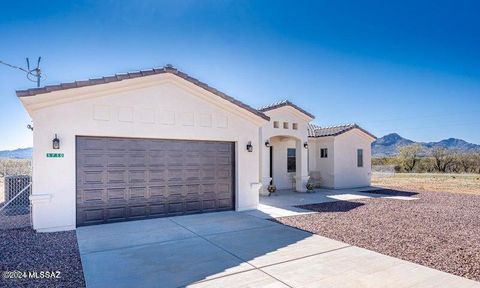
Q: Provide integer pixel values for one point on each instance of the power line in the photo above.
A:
(13, 66)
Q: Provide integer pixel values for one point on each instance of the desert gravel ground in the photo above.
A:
(439, 230)
(26, 251)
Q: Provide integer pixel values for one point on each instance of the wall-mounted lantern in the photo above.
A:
(267, 143)
(56, 142)
(305, 145)
(249, 146)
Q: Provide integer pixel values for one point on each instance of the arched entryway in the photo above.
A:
(284, 163)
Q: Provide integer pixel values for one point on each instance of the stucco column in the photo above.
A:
(301, 177)
(264, 166)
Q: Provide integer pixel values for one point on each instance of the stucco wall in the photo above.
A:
(169, 110)
(347, 174)
(281, 178)
(297, 136)
(322, 166)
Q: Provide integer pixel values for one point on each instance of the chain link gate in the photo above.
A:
(15, 208)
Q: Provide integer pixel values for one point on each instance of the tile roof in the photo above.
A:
(142, 73)
(318, 131)
(282, 104)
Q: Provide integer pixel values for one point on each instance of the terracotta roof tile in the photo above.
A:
(318, 131)
(282, 104)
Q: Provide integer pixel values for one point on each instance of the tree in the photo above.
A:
(476, 160)
(467, 161)
(409, 156)
(443, 158)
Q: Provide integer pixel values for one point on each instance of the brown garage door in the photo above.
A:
(120, 179)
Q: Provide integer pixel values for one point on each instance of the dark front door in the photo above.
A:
(120, 179)
(271, 165)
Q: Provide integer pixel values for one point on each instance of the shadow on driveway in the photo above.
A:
(178, 251)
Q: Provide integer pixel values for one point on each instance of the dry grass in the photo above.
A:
(456, 183)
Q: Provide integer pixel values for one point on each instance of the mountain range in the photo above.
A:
(21, 153)
(388, 145)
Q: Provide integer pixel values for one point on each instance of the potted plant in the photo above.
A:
(271, 189)
(310, 187)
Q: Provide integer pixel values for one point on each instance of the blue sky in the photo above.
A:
(411, 67)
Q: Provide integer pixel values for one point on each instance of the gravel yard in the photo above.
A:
(439, 230)
(26, 251)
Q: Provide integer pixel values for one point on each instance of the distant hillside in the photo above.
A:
(388, 145)
(21, 153)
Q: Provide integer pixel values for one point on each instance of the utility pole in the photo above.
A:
(33, 75)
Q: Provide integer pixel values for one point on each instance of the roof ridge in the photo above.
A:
(283, 103)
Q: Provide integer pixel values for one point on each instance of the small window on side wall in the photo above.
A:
(359, 157)
(285, 125)
(294, 126)
(275, 124)
(323, 153)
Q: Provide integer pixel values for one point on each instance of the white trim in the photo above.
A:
(56, 229)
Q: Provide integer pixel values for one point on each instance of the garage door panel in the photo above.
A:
(92, 160)
(115, 160)
(157, 210)
(158, 192)
(137, 160)
(139, 211)
(193, 206)
(208, 205)
(117, 195)
(116, 213)
(156, 175)
(118, 177)
(94, 196)
(175, 208)
(192, 174)
(126, 179)
(115, 144)
(138, 193)
(137, 176)
(92, 144)
(225, 203)
(94, 215)
(174, 174)
(92, 177)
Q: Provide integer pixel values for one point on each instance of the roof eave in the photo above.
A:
(142, 73)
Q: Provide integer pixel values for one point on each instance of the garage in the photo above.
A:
(122, 179)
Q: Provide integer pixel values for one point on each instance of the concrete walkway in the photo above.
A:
(232, 249)
(282, 203)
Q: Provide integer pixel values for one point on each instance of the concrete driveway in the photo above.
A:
(232, 249)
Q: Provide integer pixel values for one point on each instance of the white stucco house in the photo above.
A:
(160, 143)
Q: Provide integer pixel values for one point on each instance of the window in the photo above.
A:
(294, 126)
(275, 124)
(359, 157)
(285, 125)
(291, 160)
(323, 153)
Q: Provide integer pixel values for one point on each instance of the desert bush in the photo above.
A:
(440, 160)
(15, 167)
